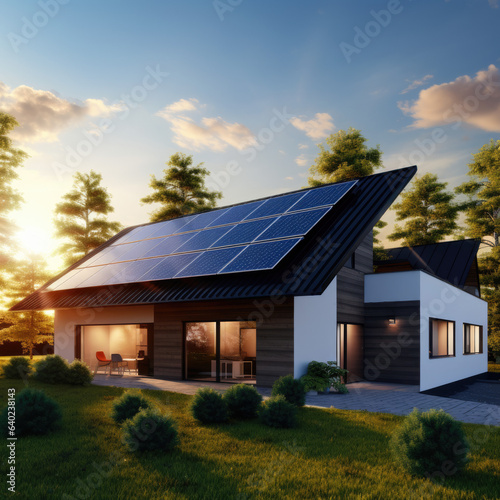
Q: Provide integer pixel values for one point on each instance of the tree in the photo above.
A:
(489, 268)
(10, 159)
(182, 190)
(81, 218)
(29, 327)
(428, 210)
(347, 158)
(379, 252)
(482, 209)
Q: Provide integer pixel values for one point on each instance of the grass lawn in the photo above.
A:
(332, 454)
(494, 367)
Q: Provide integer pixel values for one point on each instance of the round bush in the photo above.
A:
(293, 389)
(427, 442)
(17, 367)
(209, 407)
(278, 412)
(243, 401)
(36, 413)
(79, 373)
(128, 405)
(150, 430)
(52, 370)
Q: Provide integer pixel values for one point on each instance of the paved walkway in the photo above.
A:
(376, 397)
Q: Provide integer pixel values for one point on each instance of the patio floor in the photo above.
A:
(370, 396)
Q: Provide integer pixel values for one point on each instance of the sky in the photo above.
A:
(248, 87)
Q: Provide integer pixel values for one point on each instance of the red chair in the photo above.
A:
(101, 361)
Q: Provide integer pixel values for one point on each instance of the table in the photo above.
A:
(232, 368)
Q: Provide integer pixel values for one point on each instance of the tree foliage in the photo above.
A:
(428, 211)
(347, 157)
(483, 191)
(489, 269)
(81, 218)
(10, 159)
(29, 327)
(182, 190)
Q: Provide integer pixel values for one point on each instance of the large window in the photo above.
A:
(441, 338)
(473, 339)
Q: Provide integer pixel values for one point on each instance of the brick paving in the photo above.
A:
(370, 396)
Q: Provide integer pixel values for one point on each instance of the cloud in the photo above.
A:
(289, 178)
(493, 4)
(303, 146)
(316, 128)
(301, 160)
(416, 83)
(43, 115)
(213, 133)
(475, 101)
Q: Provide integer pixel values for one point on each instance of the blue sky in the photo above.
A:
(249, 87)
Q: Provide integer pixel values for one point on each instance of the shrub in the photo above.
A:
(79, 373)
(128, 405)
(293, 389)
(426, 442)
(494, 345)
(150, 430)
(278, 412)
(36, 413)
(17, 367)
(209, 407)
(314, 383)
(340, 387)
(52, 370)
(242, 401)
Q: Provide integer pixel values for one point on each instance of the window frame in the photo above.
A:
(481, 348)
(431, 356)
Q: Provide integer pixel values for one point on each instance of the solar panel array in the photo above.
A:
(253, 236)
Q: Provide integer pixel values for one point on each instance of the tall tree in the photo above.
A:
(30, 327)
(182, 190)
(428, 210)
(489, 268)
(482, 210)
(10, 159)
(347, 158)
(81, 219)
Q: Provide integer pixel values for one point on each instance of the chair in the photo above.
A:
(118, 363)
(101, 361)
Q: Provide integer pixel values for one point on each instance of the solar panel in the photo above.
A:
(275, 206)
(203, 220)
(203, 239)
(296, 224)
(137, 234)
(138, 249)
(98, 255)
(169, 267)
(103, 274)
(58, 283)
(76, 278)
(261, 256)
(328, 195)
(236, 214)
(210, 262)
(114, 254)
(133, 271)
(172, 226)
(245, 232)
(169, 244)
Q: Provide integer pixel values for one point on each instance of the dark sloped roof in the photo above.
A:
(306, 270)
(449, 260)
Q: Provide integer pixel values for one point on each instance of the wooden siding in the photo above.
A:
(274, 333)
(351, 285)
(387, 359)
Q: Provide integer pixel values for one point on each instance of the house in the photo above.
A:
(257, 290)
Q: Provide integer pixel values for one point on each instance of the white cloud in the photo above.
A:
(301, 160)
(303, 146)
(289, 178)
(417, 83)
(42, 115)
(475, 101)
(212, 133)
(317, 128)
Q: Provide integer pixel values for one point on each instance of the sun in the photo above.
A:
(34, 240)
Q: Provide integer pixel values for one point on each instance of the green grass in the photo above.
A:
(494, 367)
(332, 454)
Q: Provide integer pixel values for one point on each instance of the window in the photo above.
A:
(441, 338)
(473, 339)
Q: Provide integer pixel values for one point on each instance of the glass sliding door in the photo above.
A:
(201, 351)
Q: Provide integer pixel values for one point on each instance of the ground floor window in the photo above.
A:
(224, 351)
(441, 338)
(473, 339)
(130, 343)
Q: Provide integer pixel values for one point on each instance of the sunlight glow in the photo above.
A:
(34, 240)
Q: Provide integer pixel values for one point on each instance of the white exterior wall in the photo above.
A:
(65, 321)
(392, 287)
(441, 300)
(315, 328)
